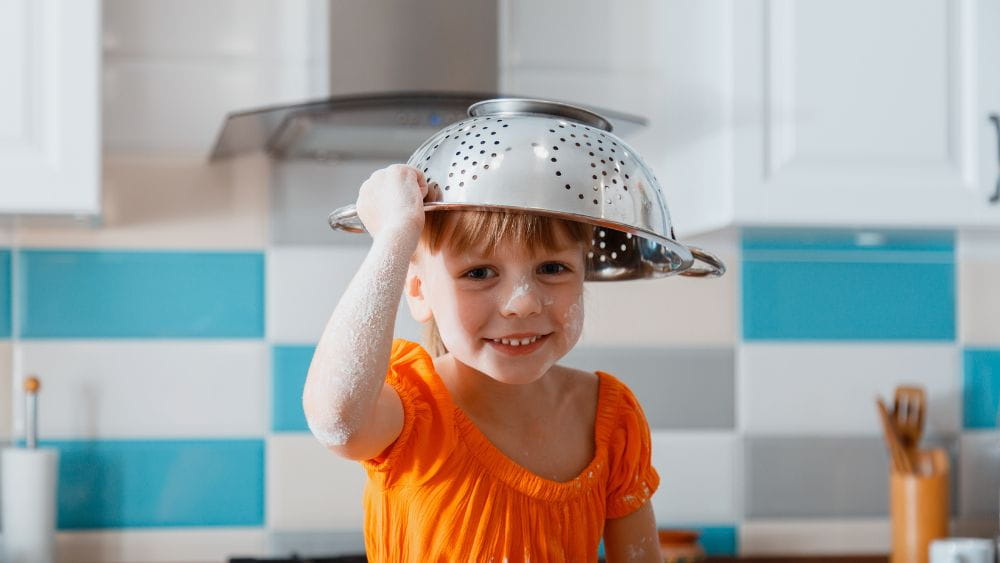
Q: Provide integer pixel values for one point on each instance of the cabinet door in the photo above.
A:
(49, 106)
(988, 38)
(850, 111)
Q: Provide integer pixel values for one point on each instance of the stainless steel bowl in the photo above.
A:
(560, 160)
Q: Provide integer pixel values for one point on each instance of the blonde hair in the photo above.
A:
(462, 231)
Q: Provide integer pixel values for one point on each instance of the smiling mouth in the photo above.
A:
(518, 346)
(525, 341)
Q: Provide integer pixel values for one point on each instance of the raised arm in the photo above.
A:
(347, 404)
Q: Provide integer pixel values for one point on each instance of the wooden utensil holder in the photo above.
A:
(919, 506)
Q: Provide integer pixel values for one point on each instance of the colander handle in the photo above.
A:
(717, 267)
(346, 219)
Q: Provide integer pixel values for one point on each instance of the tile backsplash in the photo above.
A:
(172, 341)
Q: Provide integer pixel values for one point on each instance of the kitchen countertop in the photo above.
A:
(805, 558)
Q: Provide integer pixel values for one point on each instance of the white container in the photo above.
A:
(28, 480)
(962, 550)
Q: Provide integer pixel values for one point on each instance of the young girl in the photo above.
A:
(483, 449)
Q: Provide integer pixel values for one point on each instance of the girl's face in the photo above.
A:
(512, 315)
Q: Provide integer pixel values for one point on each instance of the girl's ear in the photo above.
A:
(413, 290)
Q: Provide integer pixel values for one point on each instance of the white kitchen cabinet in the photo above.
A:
(785, 112)
(50, 146)
(865, 112)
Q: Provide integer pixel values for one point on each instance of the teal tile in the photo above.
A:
(148, 294)
(718, 540)
(160, 483)
(981, 389)
(871, 241)
(848, 285)
(289, 366)
(5, 288)
(715, 540)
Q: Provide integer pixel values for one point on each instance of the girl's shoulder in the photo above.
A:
(611, 394)
(576, 379)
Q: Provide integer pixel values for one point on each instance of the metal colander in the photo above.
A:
(560, 160)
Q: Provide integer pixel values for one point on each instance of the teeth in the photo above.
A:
(515, 341)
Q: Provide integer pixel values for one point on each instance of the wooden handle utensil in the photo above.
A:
(908, 411)
(900, 460)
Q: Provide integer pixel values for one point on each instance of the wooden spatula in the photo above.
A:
(908, 411)
(900, 461)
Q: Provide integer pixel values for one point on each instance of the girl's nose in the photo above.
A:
(523, 299)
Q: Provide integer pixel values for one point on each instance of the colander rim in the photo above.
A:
(503, 107)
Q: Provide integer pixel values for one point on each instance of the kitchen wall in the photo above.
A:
(173, 336)
(173, 340)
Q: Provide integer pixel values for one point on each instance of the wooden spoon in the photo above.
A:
(900, 460)
(908, 411)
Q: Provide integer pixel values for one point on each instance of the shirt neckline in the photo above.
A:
(515, 475)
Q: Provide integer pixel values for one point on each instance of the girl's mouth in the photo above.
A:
(518, 346)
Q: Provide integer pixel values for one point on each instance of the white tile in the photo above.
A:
(670, 311)
(140, 389)
(305, 192)
(311, 488)
(979, 474)
(6, 388)
(977, 244)
(698, 477)
(273, 29)
(818, 536)
(829, 389)
(168, 203)
(304, 285)
(156, 107)
(979, 301)
(195, 545)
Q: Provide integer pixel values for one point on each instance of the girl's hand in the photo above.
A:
(392, 200)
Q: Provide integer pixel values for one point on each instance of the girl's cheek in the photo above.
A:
(573, 322)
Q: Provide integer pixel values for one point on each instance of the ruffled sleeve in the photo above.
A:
(632, 480)
(428, 433)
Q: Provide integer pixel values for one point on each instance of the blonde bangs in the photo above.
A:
(485, 231)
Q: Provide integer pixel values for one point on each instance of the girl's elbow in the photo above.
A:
(332, 429)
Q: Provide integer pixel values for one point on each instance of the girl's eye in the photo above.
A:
(480, 273)
(553, 268)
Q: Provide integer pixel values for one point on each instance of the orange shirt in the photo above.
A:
(443, 492)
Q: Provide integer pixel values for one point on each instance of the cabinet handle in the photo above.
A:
(995, 118)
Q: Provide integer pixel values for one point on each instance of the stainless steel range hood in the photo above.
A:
(353, 126)
(399, 71)
(358, 126)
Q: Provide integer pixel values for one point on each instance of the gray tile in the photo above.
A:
(678, 388)
(821, 476)
(317, 543)
(979, 474)
(304, 193)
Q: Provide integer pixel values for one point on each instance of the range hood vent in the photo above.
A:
(377, 125)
